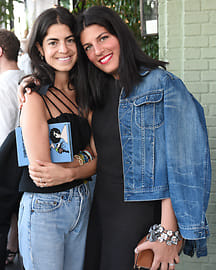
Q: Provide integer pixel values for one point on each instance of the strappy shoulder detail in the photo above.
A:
(65, 97)
(50, 99)
(43, 97)
(54, 104)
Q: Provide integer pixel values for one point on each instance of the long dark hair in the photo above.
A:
(132, 58)
(39, 30)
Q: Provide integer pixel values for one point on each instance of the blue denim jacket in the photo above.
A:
(165, 151)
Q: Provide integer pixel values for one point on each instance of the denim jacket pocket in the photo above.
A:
(149, 109)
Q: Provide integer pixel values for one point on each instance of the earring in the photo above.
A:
(41, 57)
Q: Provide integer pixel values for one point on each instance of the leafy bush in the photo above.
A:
(129, 11)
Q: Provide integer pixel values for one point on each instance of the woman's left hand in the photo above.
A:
(164, 256)
(47, 174)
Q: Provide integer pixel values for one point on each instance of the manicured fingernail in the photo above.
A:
(136, 250)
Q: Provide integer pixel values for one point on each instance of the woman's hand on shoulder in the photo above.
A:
(25, 87)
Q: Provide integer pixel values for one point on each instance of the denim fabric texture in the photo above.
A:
(165, 150)
(52, 229)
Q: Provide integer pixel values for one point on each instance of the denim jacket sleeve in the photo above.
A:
(188, 158)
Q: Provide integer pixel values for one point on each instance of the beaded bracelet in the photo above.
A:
(78, 157)
(88, 154)
(83, 157)
(157, 232)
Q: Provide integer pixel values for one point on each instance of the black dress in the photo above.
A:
(115, 226)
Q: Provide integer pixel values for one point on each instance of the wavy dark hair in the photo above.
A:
(56, 15)
(132, 58)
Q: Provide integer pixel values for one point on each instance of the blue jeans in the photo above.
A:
(52, 229)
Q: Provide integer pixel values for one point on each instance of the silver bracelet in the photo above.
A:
(157, 232)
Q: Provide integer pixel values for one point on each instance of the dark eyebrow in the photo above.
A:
(101, 34)
(98, 37)
(73, 36)
(55, 39)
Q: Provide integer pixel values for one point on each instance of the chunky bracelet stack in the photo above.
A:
(157, 232)
(83, 157)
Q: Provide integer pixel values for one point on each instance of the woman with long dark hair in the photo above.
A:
(146, 128)
(53, 214)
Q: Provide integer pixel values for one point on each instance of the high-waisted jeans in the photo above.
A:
(52, 229)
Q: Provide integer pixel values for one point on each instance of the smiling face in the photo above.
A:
(102, 48)
(59, 48)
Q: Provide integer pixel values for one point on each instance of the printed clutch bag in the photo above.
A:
(60, 139)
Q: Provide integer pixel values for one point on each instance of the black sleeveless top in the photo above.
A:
(80, 131)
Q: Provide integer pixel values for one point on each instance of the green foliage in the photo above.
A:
(150, 46)
(7, 12)
(129, 11)
(65, 3)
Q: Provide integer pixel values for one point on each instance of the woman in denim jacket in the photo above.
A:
(164, 142)
(152, 146)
